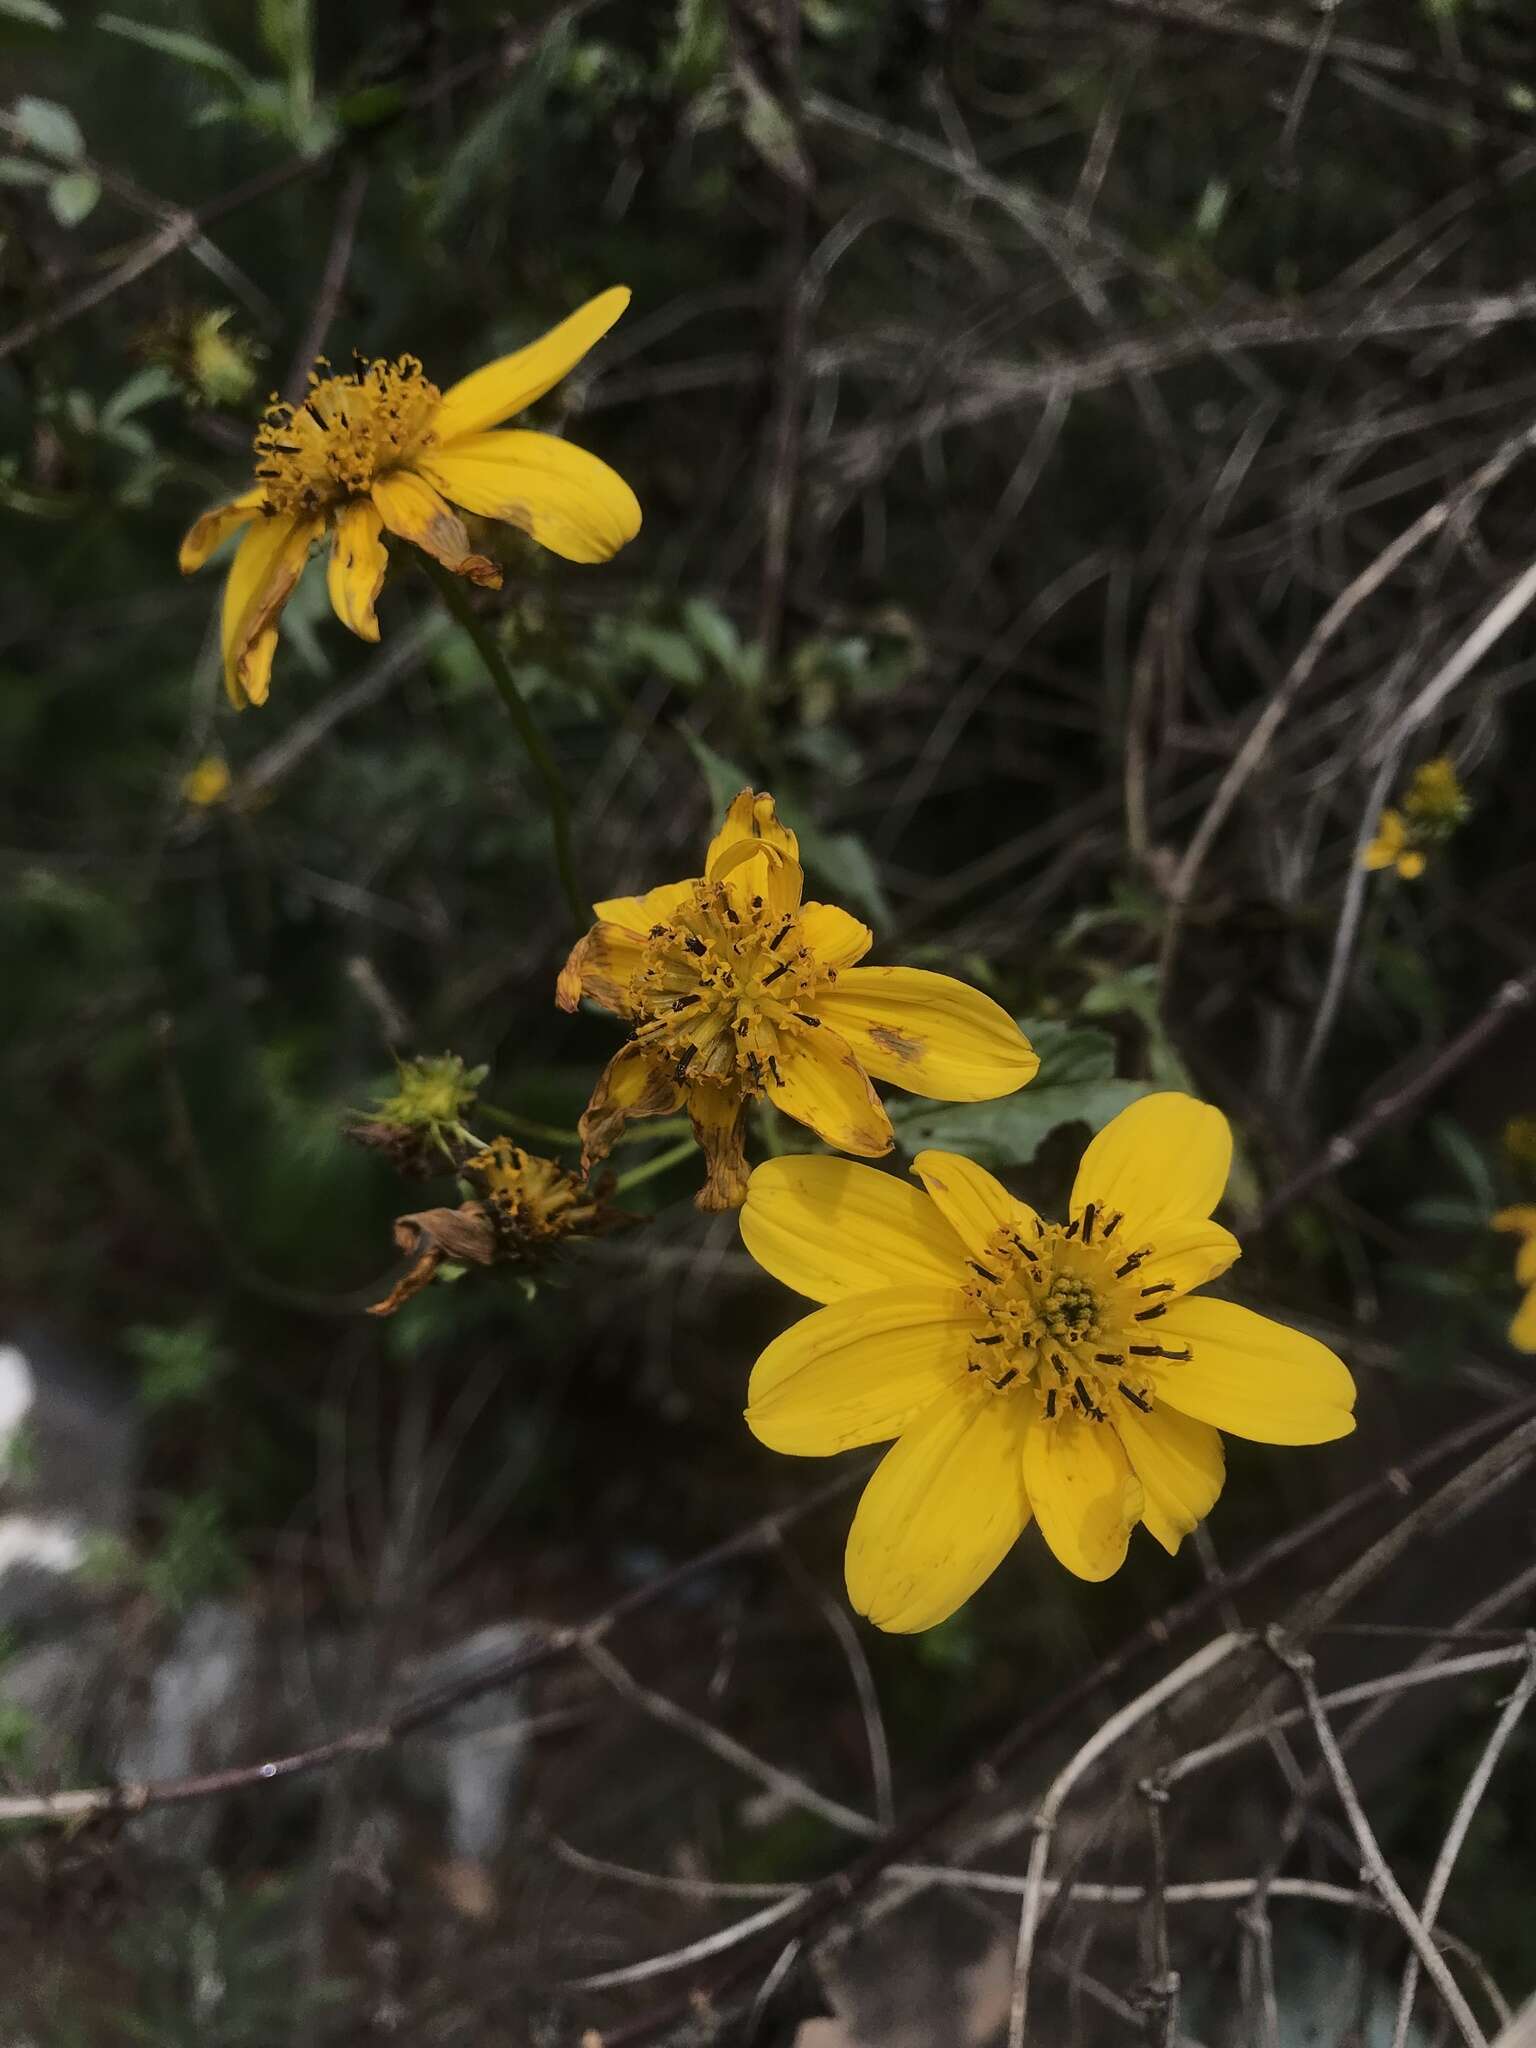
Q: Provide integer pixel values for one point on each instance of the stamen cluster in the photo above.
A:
(723, 985)
(348, 431)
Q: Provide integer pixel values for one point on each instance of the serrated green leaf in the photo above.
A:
(50, 128)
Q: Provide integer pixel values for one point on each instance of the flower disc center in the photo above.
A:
(344, 434)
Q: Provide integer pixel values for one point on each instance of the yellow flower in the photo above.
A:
(208, 782)
(1432, 807)
(1393, 848)
(1521, 1221)
(382, 448)
(1435, 796)
(1024, 1368)
(737, 989)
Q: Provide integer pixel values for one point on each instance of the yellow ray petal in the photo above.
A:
(1186, 1258)
(268, 563)
(410, 507)
(929, 1033)
(831, 1229)
(1085, 1496)
(859, 1371)
(1180, 1464)
(836, 939)
(976, 1205)
(1385, 848)
(216, 526)
(821, 1084)
(488, 396)
(719, 1117)
(639, 913)
(354, 576)
(566, 499)
(776, 876)
(945, 1506)
(1163, 1162)
(1252, 1377)
(631, 1085)
(602, 964)
(1522, 1331)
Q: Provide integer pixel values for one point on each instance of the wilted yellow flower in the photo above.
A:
(737, 989)
(1025, 1368)
(383, 448)
(527, 1205)
(208, 782)
(1432, 807)
(1521, 1222)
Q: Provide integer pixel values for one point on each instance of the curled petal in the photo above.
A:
(719, 1116)
(410, 507)
(602, 964)
(770, 867)
(354, 576)
(631, 1085)
(215, 527)
(929, 1033)
(488, 396)
(268, 563)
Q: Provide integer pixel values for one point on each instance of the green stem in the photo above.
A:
(454, 596)
(662, 1163)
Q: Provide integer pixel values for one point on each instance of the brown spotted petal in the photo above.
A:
(719, 1118)
(633, 1084)
(603, 963)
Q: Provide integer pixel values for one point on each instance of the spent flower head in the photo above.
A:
(381, 448)
(736, 990)
(421, 1126)
(1063, 1373)
(525, 1206)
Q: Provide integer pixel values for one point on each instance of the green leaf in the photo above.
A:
(176, 1364)
(73, 197)
(715, 631)
(1076, 1085)
(845, 869)
(724, 777)
(180, 45)
(370, 105)
(20, 170)
(50, 128)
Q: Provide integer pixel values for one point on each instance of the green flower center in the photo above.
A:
(1071, 1318)
(723, 985)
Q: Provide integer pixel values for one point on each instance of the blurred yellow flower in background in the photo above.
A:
(1433, 805)
(208, 783)
(1520, 1221)
(1026, 1369)
(383, 449)
(737, 989)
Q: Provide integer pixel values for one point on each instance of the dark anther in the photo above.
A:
(1159, 1351)
(773, 1068)
(1130, 1265)
(814, 1022)
(782, 968)
(1107, 1358)
(755, 1069)
(976, 1267)
(683, 1002)
(730, 913)
(683, 1058)
(1061, 1367)
(1005, 1379)
(1050, 1404)
(1136, 1400)
(742, 1028)
(1159, 1287)
(696, 946)
(757, 902)
(1094, 1414)
(1088, 1223)
(1145, 1315)
(1113, 1224)
(1073, 1227)
(987, 1340)
(658, 931)
(780, 935)
(1019, 1245)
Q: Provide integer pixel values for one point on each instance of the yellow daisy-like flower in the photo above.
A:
(1393, 847)
(1521, 1222)
(736, 989)
(1433, 805)
(383, 449)
(1025, 1369)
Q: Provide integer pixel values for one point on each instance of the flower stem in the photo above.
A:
(662, 1162)
(454, 596)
